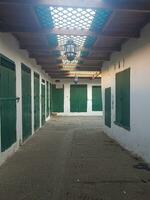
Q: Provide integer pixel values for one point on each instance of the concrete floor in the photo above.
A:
(71, 158)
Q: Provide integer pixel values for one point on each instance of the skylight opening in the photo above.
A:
(72, 18)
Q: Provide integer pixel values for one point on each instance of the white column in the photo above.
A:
(19, 104)
(32, 100)
(89, 98)
(66, 98)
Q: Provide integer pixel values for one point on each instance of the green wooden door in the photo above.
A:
(36, 101)
(57, 99)
(26, 101)
(78, 98)
(108, 107)
(123, 99)
(48, 99)
(7, 103)
(51, 98)
(96, 98)
(43, 101)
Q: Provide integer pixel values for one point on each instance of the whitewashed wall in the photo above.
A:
(9, 47)
(89, 83)
(136, 55)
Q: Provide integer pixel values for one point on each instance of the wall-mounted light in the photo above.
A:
(76, 79)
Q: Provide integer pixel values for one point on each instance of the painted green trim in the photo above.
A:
(7, 62)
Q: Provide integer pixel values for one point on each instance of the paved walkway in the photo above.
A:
(72, 159)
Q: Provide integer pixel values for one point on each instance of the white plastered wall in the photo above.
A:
(66, 83)
(135, 54)
(9, 47)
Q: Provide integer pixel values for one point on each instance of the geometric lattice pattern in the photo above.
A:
(72, 17)
(79, 40)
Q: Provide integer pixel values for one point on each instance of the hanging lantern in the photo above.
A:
(70, 50)
(76, 79)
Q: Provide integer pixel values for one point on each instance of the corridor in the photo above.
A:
(70, 158)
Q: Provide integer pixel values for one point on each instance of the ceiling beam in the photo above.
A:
(36, 49)
(66, 70)
(49, 59)
(68, 77)
(59, 58)
(134, 5)
(75, 72)
(69, 32)
(84, 32)
(47, 65)
(94, 59)
(89, 69)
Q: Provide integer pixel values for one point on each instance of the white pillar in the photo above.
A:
(66, 98)
(19, 104)
(89, 98)
(32, 100)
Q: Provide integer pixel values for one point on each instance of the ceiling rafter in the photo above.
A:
(58, 60)
(40, 49)
(47, 65)
(68, 32)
